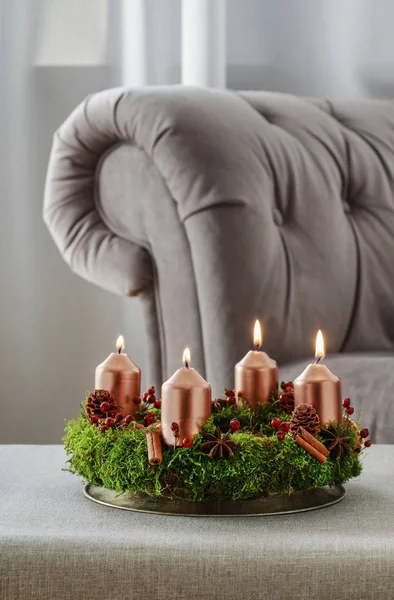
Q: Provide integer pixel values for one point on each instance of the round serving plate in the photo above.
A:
(256, 507)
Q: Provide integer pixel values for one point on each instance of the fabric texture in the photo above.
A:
(217, 207)
(57, 545)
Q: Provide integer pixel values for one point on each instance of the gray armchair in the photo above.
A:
(217, 207)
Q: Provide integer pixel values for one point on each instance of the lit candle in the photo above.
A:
(318, 386)
(119, 375)
(256, 375)
(185, 400)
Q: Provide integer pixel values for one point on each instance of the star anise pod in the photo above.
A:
(218, 404)
(337, 444)
(218, 445)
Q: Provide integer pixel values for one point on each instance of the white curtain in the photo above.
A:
(55, 327)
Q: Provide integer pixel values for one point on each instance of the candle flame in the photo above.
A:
(186, 356)
(257, 335)
(120, 343)
(320, 353)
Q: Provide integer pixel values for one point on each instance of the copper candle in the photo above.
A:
(185, 400)
(256, 375)
(119, 375)
(320, 387)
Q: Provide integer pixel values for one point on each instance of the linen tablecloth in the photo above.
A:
(56, 544)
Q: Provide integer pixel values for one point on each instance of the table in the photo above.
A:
(56, 544)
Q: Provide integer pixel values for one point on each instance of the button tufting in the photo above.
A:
(278, 217)
(346, 207)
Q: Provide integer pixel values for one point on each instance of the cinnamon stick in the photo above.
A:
(155, 453)
(309, 448)
(308, 437)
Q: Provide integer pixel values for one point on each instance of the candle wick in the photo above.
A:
(186, 364)
(120, 349)
(257, 347)
(318, 360)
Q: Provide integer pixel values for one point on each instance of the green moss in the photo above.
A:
(258, 422)
(261, 465)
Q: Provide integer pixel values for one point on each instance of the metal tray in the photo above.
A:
(256, 507)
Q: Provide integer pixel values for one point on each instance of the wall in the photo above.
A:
(55, 327)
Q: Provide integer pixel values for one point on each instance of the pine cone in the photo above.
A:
(287, 386)
(94, 402)
(304, 415)
(286, 397)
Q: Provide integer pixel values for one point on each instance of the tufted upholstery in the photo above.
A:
(216, 207)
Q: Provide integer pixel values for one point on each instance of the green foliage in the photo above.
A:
(117, 459)
(257, 422)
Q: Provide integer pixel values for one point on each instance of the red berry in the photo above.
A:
(139, 426)
(103, 429)
(364, 433)
(105, 407)
(346, 402)
(367, 443)
(128, 419)
(137, 399)
(349, 410)
(281, 435)
(151, 399)
(157, 404)
(176, 433)
(145, 396)
(231, 400)
(284, 426)
(118, 417)
(187, 442)
(235, 425)
(151, 390)
(149, 418)
(93, 419)
(276, 423)
(229, 393)
(109, 422)
(174, 426)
